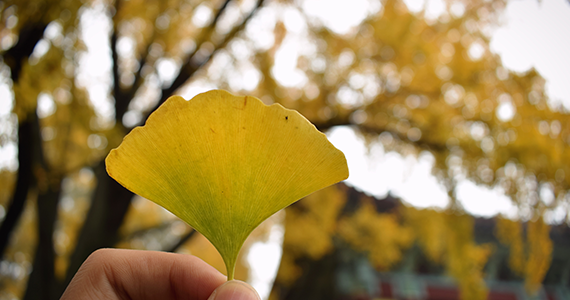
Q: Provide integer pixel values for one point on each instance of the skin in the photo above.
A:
(133, 274)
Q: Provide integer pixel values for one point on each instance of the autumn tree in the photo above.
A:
(415, 84)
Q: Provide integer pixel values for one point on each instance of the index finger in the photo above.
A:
(136, 274)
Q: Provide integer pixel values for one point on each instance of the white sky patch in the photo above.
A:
(482, 201)
(457, 9)
(7, 154)
(378, 173)
(6, 99)
(231, 16)
(340, 16)
(505, 111)
(295, 44)
(285, 68)
(434, 9)
(46, 105)
(194, 88)
(95, 65)
(410, 178)
(421, 188)
(535, 34)
(264, 259)
(246, 77)
(546, 192)
(202, 15)
(557, 215)
(125, 46)
(260, 28)
(167, 69)
(41, 48)
(294, 20)
(53, 30)
(476, 51)
(415, 6)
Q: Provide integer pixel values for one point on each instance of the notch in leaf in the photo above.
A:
(224, 164)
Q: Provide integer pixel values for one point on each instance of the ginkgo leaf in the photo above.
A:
(224, 163)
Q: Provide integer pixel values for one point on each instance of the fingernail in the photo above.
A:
(234, 290)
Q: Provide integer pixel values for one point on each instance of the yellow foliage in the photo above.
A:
(43, 11)
(310, 226)
(528, 257)
(30, 85)
(289, 271)
(447, 238)
(69, 148)
(379, 235)
(510, 233)
(315, 220)
(539, 254)
(464, 259)
(429, 229)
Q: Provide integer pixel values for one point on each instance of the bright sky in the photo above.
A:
(537, 34)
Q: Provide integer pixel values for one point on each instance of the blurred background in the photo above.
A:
(453, 116)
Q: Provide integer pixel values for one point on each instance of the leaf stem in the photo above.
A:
(230, 269)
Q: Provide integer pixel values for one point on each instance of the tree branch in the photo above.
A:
(191, 65)
(121, 106)
(218, 14)
(121, 102)
(182, 241)
(143, 231)
(422, 143)
(29, 36)
(130, 93)
(188, 68)
(109, 205)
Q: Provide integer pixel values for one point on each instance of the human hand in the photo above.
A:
(134, 274)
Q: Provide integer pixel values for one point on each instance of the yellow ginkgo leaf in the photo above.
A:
(224, 163)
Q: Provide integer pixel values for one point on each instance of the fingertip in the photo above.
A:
(235, 290)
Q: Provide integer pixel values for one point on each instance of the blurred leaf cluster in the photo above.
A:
(410, 82)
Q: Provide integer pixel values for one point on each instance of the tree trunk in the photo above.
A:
(15, 57)
(24, 182)
(109, 204)
(41, 284)
(317, 282)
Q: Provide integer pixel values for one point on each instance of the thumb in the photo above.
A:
(234, 290)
